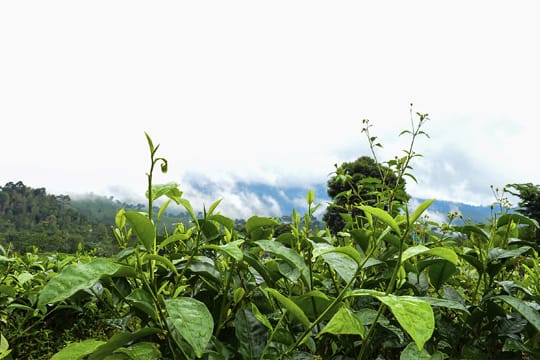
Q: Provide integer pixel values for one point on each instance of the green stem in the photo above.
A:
(366, 343)
(224, 302)
(340, 297)
(269, 341)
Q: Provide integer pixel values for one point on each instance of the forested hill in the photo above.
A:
(31, 217)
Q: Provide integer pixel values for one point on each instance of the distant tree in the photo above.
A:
(530, 198)
(361, 182)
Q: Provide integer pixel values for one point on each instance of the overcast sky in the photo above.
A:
(269, 92)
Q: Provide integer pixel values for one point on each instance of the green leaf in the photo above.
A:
(259, 316)
(342, 259)
(187, 205)
(383, 216)
(162, 260)
(170, 190)
(209, 229)
(287, 254)
(250, 334)
(192, 321)
(411, 352)
(143, 228)
(162, 208)
(175, 238)
(516, 218)
(205, 267)
(420, 210)
(78, 350)
(120, 339)
(232, 249)
(344, 321)
(259, 267)
(498, 253)
(142, 300)
(449, 304)
(79, 277)
(223, 220)
(255, 222)
(440, 272)
(473, 229)
(361, 237)
(291, 307)
(310, 197)
(213, 207)
(445, 253)
(474, 261)
(150, 143)
(532, 315)
(4, 347)
(413, 314)
(413, 251)
(141, 350)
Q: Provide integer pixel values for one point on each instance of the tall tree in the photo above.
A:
(530, 199)
(362, 182)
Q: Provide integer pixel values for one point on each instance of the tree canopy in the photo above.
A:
(530, 198)
(361, 182)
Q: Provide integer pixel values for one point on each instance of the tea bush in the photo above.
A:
(390, 285)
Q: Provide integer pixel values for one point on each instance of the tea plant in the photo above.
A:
(386, 286)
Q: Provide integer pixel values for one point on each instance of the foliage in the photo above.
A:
(359, 182)
(529, 195)
(206, 290)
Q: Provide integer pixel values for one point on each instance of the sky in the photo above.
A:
(266, 92)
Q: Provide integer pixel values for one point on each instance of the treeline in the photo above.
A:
(30, 217)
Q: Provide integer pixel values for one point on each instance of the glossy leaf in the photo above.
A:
(143, 228)
(120, 339)
(259, 316)
(413, 314)
(192, 321)
(223, 220)
(516, 218)
(170, 190)
(413, 251)
(213, 207)
(78, 350)
(162, 260)
(532, 315)
(340, 260)
(232, 249)
(420, 210)
(441, 252)
(473, 229)
(449, 304)
(383, 216)
(142, 300)
(411, 352)
(440, 272)
(498, 253)
(250, 333)
(175, 238)
(255, 222)
(474, 261)
(79, 277)
(287, 254)
(344, 321)
(293, 309)
(141, 350)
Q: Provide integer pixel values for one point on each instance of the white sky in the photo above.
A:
(269, 92)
